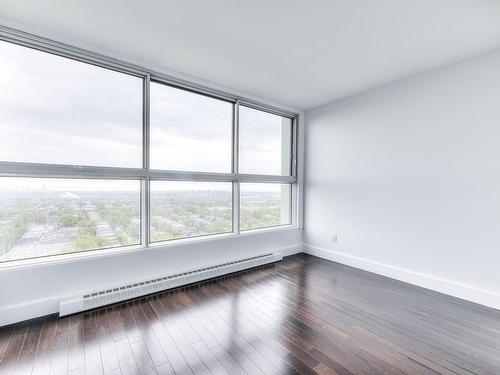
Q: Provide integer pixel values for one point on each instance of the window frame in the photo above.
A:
(145, 174)
(160, 242)
(292, 140)
(291, 207)
(74, 177)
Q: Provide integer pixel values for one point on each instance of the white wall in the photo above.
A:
(31, 291)
(409, 177)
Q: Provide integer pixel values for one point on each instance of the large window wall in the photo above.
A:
(96, 154)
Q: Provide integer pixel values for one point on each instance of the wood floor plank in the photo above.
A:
(211, 361)
(28, 352)
(226, 358)
(76, 355)
(78, 371)
(126, 357)
(129, 324)
(143, 358)
(5, 334)
(93, 361)
(245, 342)
(231, 342)
(45, 347)
(176, 357)
(14, 347)
(106, 342)
(147, 330)
(303, 315)
(116, 323)
(59, 363)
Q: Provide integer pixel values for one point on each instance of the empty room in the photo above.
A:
(249, 187)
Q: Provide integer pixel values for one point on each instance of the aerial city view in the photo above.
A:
(46, 216)
(50, 221)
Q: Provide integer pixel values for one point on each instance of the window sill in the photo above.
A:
(158, 246)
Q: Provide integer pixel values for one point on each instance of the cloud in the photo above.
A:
(62, 111)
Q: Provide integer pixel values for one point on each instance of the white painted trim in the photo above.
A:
(46, 306)
(452, 288)
(29, 310)
(290, 250)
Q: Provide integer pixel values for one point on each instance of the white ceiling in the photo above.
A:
(299, 53)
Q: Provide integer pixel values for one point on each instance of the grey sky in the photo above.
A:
(57, 110)
(25, 184)
(189, 131)
(261, 141)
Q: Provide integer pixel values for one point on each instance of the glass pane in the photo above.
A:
(60, 111)
(190, 209)
(265, 143)
(264, 205)
(44, 216)
(189, 132)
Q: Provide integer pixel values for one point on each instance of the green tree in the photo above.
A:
(86, 241)
(68, 220)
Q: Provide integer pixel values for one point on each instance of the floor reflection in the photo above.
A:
(300, 316)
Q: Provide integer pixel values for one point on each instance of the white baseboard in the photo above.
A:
(46, 306)
(462, 291)
(290, 250)
(29, 310)
(33, 309)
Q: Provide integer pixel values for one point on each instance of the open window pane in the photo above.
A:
(190, 209)
(56, 110)
(46, 216)
(264, 205)
(189, 132)
(265, 143)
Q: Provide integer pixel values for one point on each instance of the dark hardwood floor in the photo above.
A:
(300, 316)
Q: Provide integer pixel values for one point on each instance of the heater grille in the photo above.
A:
(125, 292)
